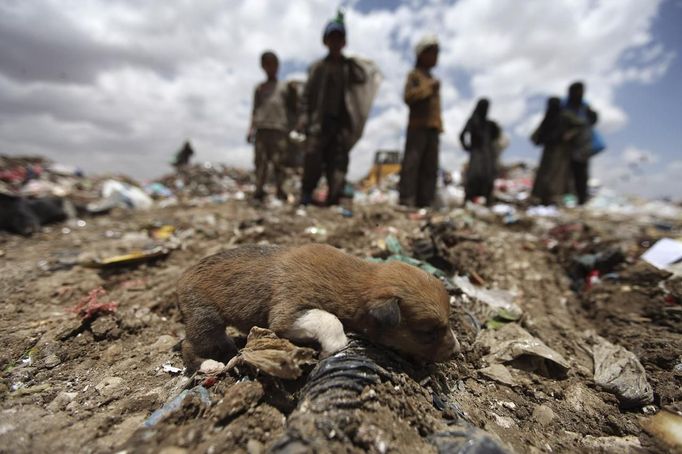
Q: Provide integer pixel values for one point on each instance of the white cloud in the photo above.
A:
(118, 85)
(636, 171)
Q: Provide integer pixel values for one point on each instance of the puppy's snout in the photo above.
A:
(449, 348)
(456, 348)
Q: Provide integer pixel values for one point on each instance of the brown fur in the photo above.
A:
(392, 303)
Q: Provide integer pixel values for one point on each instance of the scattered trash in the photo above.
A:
(508, 278)
(619, 372)
(513, 345)
(158, 190)
(498, 305)
(162, 232)
(131, 259)
(393, 245)
(664, 253)
(666, 425)
(466, 439)
(586, 269)
(273, 356)
(124, 195)
(25, 216)
(316, 231)
(176, 403)
(418, 263)
(543, 211)
(167, 367)
(500, 373)
(90, 306)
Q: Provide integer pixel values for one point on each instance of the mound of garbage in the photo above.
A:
(569, 319)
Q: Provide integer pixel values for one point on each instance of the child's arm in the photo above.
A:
(251, 135)
(305, 101)
(418, 88)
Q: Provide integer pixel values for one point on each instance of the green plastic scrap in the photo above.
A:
(398, 253)
(500, 319)
(418, 263)
(393, 245)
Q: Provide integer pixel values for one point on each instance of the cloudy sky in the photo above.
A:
(118, 85)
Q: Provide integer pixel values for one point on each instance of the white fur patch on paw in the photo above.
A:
(323, 327)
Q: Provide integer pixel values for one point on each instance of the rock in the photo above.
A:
(211, 367)
(238, 399)
(112, 353)
(27, 390)
(504, 421)
(615, 445)
(543, 415)
(255, 447)
(677, 370)
(110, 386)
(51, 361)
(164, 343)
(674, 287)
(73, 407)
(105, 327)
(173, 450)
(61, 401)
(583, 400)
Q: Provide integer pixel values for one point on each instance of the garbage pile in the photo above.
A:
(35, 191)
(569, 322)
(203, 180)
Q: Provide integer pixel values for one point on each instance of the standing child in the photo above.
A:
(326, 116)
(269, 127)
(419, 170)
(579, 120)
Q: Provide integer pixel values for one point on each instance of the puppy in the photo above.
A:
(311, 293)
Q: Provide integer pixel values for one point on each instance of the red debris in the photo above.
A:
(89, 307)
(592, 279)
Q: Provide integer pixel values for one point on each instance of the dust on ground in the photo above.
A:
(74, 385)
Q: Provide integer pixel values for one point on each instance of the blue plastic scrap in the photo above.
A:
(176, 404)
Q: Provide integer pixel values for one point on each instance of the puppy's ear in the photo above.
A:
(386, 312)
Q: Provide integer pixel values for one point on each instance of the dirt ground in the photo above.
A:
(73, 386)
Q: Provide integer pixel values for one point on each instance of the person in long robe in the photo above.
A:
(552, 176)
(478, 138)
(579, 119)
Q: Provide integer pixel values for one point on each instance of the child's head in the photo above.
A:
(270, 64)
(576, 91)
(334, 35)
(426, 51)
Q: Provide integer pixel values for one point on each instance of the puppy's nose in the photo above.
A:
(456, 348)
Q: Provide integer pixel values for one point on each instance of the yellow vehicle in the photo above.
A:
(386, 162)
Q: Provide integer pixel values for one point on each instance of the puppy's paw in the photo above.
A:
(323, 327)
(332, 344)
